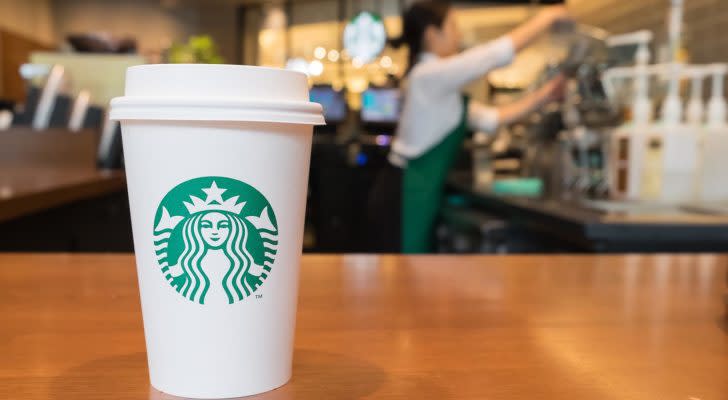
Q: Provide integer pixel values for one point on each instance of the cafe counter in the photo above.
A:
(396, 327)
(583, 225)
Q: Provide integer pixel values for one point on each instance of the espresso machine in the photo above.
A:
(566, 145)
(589, 118)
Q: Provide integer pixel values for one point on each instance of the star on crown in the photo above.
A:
(214, 201)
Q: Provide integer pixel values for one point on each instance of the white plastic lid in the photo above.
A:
(215, 92)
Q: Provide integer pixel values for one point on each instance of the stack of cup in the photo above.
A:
(217, 163)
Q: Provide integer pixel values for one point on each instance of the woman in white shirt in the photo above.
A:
(406, 198)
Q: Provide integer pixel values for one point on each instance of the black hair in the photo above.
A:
(415, 21)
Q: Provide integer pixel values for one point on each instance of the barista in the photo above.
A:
(406, 198)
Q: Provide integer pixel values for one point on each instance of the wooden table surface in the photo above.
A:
(389, 327)
(43, 170)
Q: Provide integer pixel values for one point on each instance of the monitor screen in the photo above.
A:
(332, 101)
(380, 106)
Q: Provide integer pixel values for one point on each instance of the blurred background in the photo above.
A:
(556, 181)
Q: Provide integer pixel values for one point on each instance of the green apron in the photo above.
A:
(422, 188)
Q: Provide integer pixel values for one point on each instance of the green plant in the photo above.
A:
(199, 49)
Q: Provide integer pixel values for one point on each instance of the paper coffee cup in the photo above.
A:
(217, 163)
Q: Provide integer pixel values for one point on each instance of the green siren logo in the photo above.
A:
(216, 250)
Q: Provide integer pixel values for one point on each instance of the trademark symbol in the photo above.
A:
(258, 296)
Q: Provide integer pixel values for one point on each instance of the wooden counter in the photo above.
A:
(44, 170)
(389, 327)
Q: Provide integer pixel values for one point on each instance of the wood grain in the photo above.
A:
(23, 146)
(15, 50)
(390, 327)
(42, 170)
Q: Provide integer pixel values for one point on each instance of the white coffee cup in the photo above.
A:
(217, 167)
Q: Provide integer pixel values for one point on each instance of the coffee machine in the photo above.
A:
(567, 144)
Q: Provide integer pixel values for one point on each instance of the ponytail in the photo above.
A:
(397, 42)
(415, 21)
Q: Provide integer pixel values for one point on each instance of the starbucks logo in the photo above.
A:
(215, 239)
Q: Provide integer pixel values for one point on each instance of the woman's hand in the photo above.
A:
(555, 88)
(523, 35)
(552, 90)
(556, 14)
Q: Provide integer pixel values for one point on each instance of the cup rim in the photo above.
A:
(215, 109)
(207, 66)
(216, 92)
